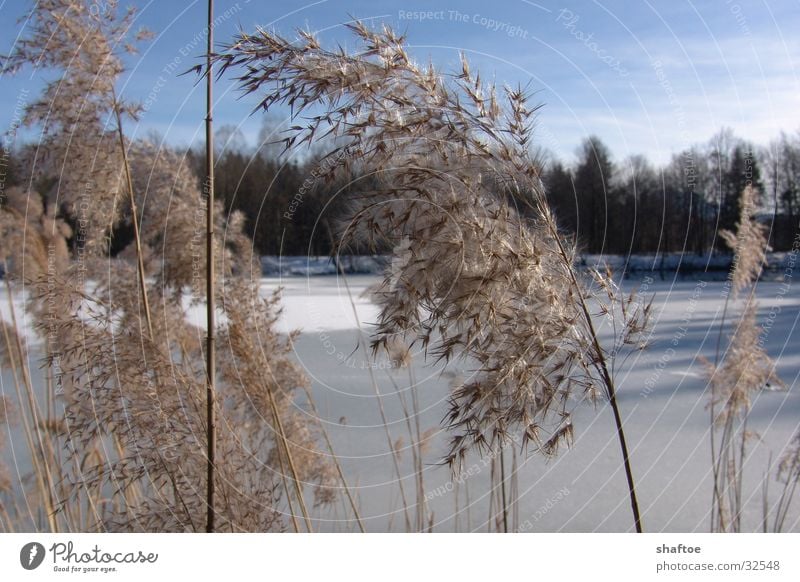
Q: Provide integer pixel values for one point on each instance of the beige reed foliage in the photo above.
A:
(149, 398)
(749, 243)
(789, 474)
(82, 41)
(745, 370)
(124, 449)
(473, 276)
(33, 239)
(173, 221)
(253, 356)
(6, 412)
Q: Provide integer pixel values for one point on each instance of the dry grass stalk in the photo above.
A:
(211, 357)
(137, 240)
(742, 372)
(132, 415)
(749, 243)
(381, 409)
(24, 254)
(6, 411)
(745, 370)
(472, 276)
(335, 459)
(76, 151)
(399, 356)
(789, 474)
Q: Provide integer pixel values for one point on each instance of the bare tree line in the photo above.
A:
(613, 206)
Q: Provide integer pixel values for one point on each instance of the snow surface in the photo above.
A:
(661, 392)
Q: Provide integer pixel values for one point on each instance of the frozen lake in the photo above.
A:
(662, 395)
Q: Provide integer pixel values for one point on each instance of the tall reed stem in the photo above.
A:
(211, 426)
(336, 462)
(289, 459)
(602, 364)
(503, 489)
(717, 518)
(134, 213)
(378, 397)
(39, 454)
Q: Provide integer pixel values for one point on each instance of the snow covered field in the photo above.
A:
(661, 392)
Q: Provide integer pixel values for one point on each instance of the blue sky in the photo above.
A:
(648, 77)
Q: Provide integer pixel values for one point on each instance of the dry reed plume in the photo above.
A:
(479, 270)
(739, 374)
(749, 243)
(118, 441)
